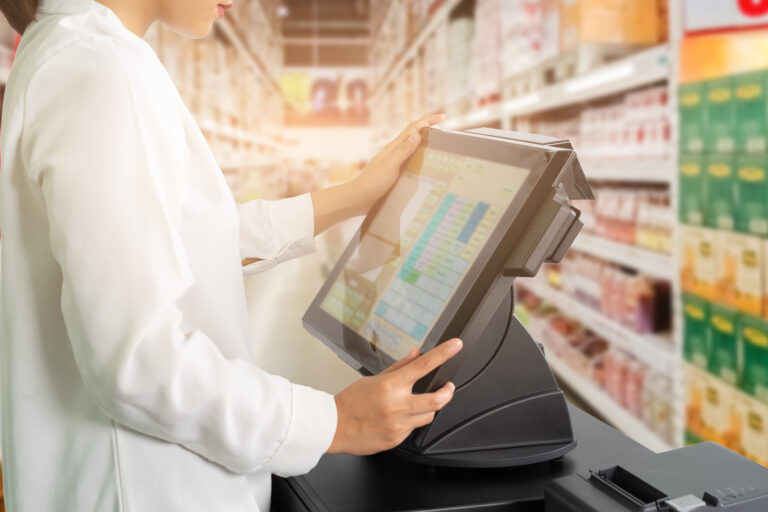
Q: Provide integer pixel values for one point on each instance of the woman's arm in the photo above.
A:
(275, 231)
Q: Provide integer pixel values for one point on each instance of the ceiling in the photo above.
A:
(326, 33)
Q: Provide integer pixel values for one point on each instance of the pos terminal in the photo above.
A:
(437, 259)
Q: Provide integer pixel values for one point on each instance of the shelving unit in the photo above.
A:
(660, 171)
(643, 260)
(230, 32)
(657, 351)
(644, 68)
(607, 407)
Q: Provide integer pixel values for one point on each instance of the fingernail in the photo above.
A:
(456, 344)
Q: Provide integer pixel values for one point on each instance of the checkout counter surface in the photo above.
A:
(387, 482)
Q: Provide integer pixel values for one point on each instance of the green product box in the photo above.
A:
(693, 118)
(721, 191)
(695, 330)
(751, 105)
(752, 194)
(720, 134)
(693, 189)
(754, 344)
(723, 351)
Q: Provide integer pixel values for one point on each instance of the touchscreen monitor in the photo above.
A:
(419, 247)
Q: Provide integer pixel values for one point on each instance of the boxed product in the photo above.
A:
(723, 359)
(719, 421)
(693, 189)
(699, 261)
(750, 419)
(608, 21)
(720, 190)
(720, 106)
(695, 393)
(754, 345)
(751, 106)
(740, 281)
(696, 330)
(693, 117)
(752, 194)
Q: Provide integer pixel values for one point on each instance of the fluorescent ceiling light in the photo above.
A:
(602, 77)
(523, 101)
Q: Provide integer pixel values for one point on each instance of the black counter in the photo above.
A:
(388, 483)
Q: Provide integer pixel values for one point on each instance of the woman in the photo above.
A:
(128, 383)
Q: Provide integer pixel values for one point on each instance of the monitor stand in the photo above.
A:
(507, 409)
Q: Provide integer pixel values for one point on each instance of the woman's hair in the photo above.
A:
(20, 13)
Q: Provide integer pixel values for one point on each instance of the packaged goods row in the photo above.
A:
(725, 267)
(638, 302)
(636, 126)
(476, 54)
(728, 344)
(725, 191)
(716, 411)
(626, 382)
(637, 216)
(725, 115)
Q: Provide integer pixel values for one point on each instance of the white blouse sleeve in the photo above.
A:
(95, 145)
(275, 231)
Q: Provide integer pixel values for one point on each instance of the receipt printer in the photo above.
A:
(701, 478)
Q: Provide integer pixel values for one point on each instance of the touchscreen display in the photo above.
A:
(419, 246)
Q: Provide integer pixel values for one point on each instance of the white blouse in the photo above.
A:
(128, 382)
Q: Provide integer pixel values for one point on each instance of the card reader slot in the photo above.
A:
(629, 488)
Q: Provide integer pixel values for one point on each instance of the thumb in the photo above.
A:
(405, 149)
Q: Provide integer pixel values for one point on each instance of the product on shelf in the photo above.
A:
(740, 271)
(461, 35)
(693, 189)
(720, 128)
(754, 341)
(486, 64)
(752, 194)
(693, 117)
(751, 420)
(699, 256)
(636, 301)
(751, 109)
(695, 330)
(608, 21)
(719, 200)
(723, 354)
(636, 216)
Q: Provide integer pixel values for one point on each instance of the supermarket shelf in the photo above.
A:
(230, 33)
(635, 170)
(246, 164)
(434, 21)
(607, 407)
(643, 68)
(649, 262)
(654, 350)
(215, 128)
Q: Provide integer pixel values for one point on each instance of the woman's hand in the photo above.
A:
(384, 168)
(378, 413)
(334, 204)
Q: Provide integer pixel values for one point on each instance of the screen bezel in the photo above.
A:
(544, 164)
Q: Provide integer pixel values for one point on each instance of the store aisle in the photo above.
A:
(277, 299)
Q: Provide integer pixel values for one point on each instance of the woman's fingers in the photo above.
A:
(424, 364)
(414, 127)
(432, 402)
(413, 354)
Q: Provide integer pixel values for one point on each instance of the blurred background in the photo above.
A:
(657, 321)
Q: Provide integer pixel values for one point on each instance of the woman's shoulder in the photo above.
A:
(54, 53)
